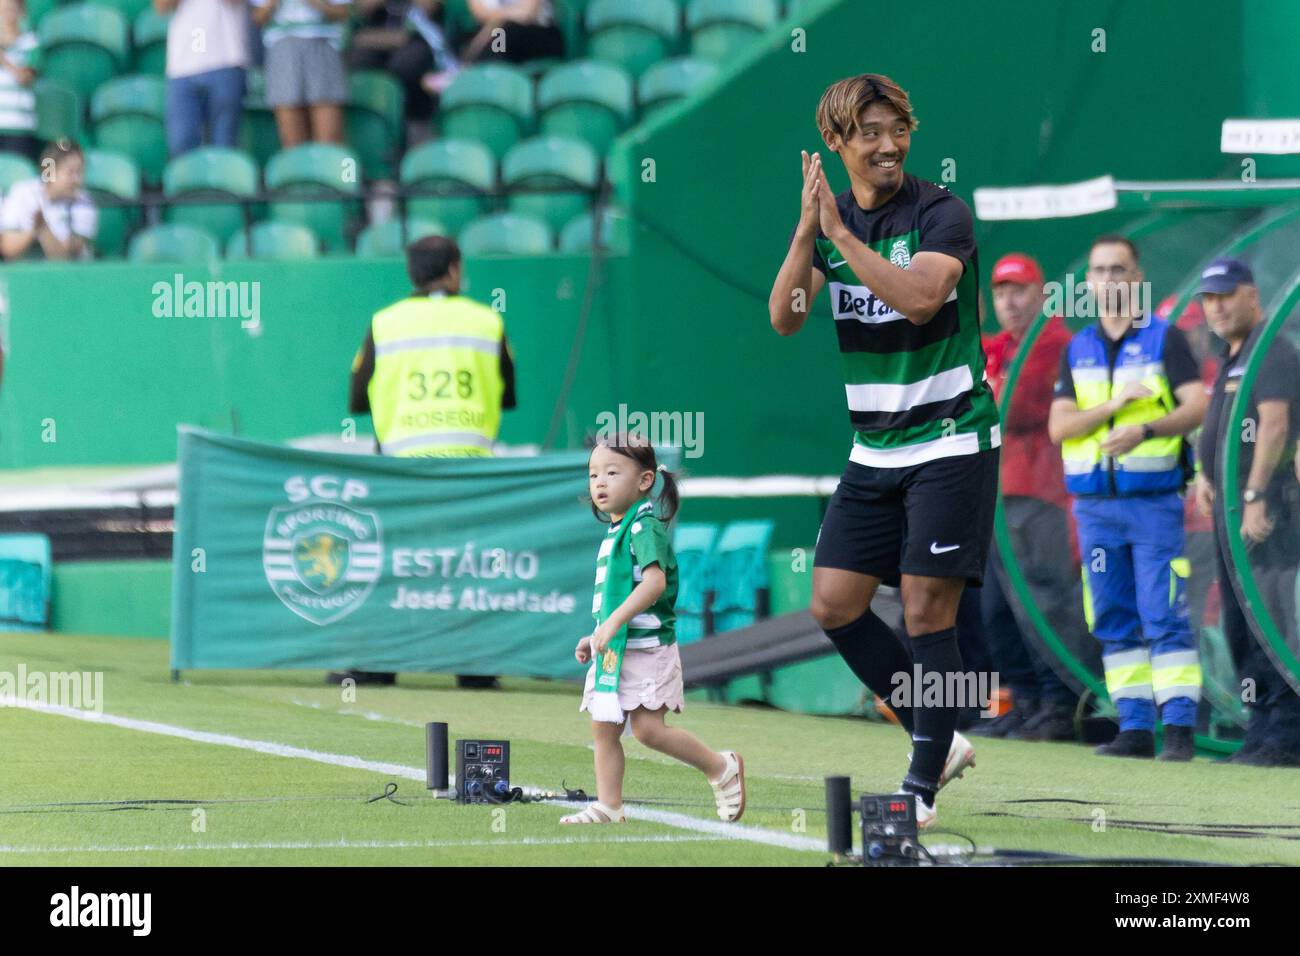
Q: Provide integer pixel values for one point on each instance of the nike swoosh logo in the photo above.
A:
(935, 549)
(836, 265)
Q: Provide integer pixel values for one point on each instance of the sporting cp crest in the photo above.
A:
(322, 559)
(899, 255)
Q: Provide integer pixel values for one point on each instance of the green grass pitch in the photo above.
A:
(261, 805)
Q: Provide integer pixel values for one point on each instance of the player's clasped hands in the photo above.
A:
(809, 211)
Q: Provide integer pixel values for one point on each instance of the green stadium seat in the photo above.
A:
(173, 243)
(633, 34)
(258, 135)
(458, 22)
(720, 29)
(149, 42)
(667, 82)
(390, 239)
(490, 103)
(740, 574)
(26, 576)
(130, 9)
(567, 168)
(447, 168)
(36, 11)
(210, 171)
(375, 121)
(113, 176)
(506, 234)
(129, 116)
(84, 45)
(276, 241)
(14, 168)
(59, 111)
(569, 17)
(316, 169)
(615, 232)
(587, 99)
(693, 545)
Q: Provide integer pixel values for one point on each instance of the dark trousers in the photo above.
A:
(408, 64)
(1274, 571)
(1040, 536)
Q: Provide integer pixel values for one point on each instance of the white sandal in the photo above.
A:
(596, 812)
(729, 792)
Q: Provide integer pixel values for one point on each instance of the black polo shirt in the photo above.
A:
(1278, 379)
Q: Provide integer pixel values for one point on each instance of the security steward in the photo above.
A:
(435, 373)
(1269, 493)
(1129, 390)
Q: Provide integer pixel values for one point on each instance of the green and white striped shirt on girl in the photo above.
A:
(649, 544)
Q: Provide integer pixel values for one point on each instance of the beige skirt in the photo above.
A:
(651, 678)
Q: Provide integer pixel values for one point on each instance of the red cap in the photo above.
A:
(1018, 268)
(1192, 316)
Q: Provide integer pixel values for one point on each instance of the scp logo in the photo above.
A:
(325, 487)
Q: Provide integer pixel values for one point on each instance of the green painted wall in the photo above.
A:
(89, 364)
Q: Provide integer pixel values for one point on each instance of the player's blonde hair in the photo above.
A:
(840, 108)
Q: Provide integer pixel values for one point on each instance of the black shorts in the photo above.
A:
(934, 519)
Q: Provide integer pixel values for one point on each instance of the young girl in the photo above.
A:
(636, 672)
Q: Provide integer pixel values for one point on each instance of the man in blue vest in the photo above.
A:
(1129, 390)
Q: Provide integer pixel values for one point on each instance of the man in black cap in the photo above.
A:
(1268, 490)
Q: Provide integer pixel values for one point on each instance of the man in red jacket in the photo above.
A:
(1036, 507)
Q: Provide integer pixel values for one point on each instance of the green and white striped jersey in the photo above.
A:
(650, 544)
(915, 392)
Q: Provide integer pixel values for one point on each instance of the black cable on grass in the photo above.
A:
(390, 788)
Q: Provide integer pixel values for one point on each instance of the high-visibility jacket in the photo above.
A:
(437, 385)
(1155, 465)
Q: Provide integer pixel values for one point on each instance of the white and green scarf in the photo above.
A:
(615, 588)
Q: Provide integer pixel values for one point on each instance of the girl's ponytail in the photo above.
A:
(669, 496)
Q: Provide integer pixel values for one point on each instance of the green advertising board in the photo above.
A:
(288, 558)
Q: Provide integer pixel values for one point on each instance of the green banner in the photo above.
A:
(286, 558)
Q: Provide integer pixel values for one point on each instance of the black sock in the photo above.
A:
(875, 654)
(935, 653)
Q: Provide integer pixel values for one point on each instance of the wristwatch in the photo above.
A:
(1148, 432)
(1250, 496)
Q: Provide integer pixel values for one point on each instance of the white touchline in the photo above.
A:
(730, 831)
(362, 844)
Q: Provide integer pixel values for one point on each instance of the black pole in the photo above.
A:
(839, 816)
(435, 756)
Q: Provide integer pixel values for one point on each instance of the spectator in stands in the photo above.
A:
(18, 50)
(1035, 504)
(207, 53)
(306, 85)
(52, 209)
(514, 30)
(405, 39)
(1269, 495)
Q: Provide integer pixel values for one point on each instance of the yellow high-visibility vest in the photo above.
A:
(437, 385)
(1155, 465)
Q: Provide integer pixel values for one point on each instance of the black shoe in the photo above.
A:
(477, 682)
(1269, 755)
(1052, 722)
(1004, 724)
(379, 678)
(1130, 743)
(1178, 744)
